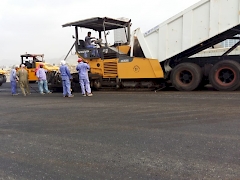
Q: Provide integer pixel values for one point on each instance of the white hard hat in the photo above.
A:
(22, 65)
(15, 66)
(63, 62)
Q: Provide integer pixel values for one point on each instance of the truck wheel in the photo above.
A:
(1, 80)
(97, 84)
(186, 76)
(225, 75)
(4, 79)
(75, 87)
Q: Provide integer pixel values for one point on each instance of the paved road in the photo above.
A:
(120, 135)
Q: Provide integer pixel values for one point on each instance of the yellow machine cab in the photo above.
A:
(32, 62)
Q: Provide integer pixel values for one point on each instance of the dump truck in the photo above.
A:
(3, 78)
(32, 62)
(163, 56)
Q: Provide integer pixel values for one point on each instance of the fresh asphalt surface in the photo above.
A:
(120, 135)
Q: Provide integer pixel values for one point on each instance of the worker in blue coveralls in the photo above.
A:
(66, 76)
(83, 69)
(13, 80)
(42, 80)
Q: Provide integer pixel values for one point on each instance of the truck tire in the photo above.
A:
(96, 84)
(4, 79)
(225, 75)
(75, 87)
(1, 79)
(186, 76)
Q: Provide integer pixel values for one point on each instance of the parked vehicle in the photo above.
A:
(32, 61)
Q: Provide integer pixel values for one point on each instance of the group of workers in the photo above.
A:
(20, 76)
(82, 69)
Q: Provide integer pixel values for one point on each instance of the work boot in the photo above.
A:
(70, 96)
(84, 95)
(90, 94)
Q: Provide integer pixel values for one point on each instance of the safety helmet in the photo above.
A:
(15, 66)
(63, 62)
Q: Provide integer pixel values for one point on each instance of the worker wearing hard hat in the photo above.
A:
(42, 80)
(83, 69)
(66, 76)
(13, 80)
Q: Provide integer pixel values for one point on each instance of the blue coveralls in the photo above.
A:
(13, 81)
(83, 69)
(66, 76)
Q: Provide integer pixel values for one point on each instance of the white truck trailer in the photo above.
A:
(162, 55)
(201, 26)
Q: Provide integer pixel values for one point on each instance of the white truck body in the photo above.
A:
(191, 27)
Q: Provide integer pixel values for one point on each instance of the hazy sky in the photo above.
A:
(35, 26)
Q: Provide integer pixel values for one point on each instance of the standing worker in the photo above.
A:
(13, 80)
(22, 75)
(83, 69)
(66, 76)
(42, 80)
